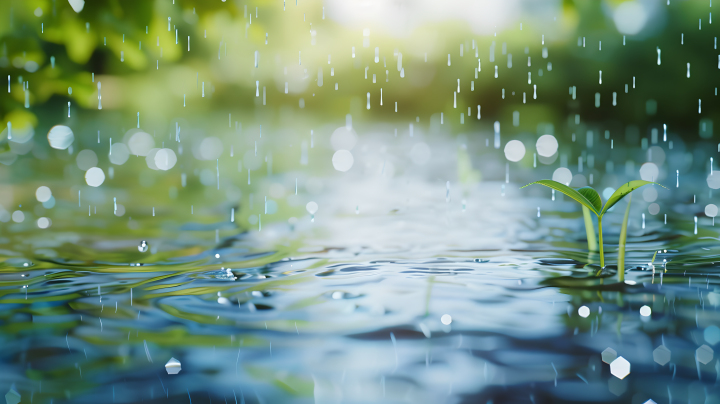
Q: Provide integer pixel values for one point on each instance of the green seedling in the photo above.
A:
(590, 199)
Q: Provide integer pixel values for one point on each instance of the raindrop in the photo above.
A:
(312, 207)
(711, 210)
(547, 145)
(446, 319)
(514, 150)
(12, 396)
(43, 223)
(18, 216)
(94, 176)
(141, 143)
(119, 153)
(342, 160)
(60, 137)
(173, 366)
(562, 175)
(165, 159)
(86, 159)
(43, 194)
(77, 5)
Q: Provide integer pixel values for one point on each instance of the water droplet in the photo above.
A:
(311, 207)
(173, 366)
(60, 137)
(645, 311)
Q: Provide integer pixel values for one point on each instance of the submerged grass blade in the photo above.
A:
(589, 230)
(623, 239)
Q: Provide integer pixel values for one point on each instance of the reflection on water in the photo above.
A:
(409, 296)
(330, 245)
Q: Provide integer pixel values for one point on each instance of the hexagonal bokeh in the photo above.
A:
(712, 335)
(704, 354)
(617, 386)
(620, 367)
(173, 366)
(609, 355)
(661, 355)
(12, 396)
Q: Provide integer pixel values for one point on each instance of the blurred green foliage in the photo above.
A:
(125, 40)
(138, 50)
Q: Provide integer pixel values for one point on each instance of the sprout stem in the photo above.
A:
(589, 230)
(602, 256)
(621, 247)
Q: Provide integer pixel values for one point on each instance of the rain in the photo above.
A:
(332, 201)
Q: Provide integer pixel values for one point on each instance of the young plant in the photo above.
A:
(590, 199)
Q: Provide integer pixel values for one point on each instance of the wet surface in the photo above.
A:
(187, 239)
(484, 304)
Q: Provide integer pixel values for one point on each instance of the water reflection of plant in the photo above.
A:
(591, 202)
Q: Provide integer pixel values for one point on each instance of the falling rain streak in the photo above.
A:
(447, 236)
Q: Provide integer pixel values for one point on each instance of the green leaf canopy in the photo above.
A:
(569, 192)
(592, 196)
(623, 191)
(589, 198)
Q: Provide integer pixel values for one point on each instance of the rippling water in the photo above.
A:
(179, 237)
(414, 294)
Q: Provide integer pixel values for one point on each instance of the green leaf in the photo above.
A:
(623, 191)
(567, 191)
(592, 196)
